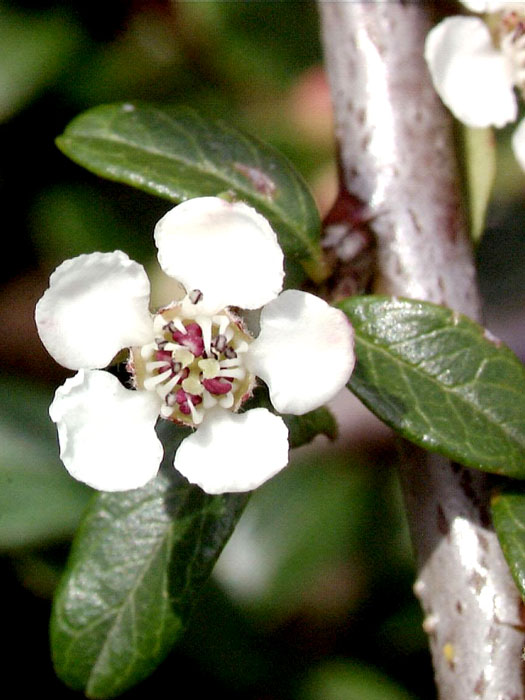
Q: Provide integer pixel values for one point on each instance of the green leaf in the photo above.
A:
(39, 502)
(176, 154)
(138, 561)
(508, 517)
(441, 381)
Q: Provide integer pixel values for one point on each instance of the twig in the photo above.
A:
(397, 159)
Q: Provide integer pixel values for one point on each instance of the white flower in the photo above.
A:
(193, 362)
(476, 65)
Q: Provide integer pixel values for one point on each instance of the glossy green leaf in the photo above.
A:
(176, 154)
(508, 517)
(441, 381)
(138, 561)
(136, 567)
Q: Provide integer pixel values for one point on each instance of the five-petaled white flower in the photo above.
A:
(193, 362)
(475, 65)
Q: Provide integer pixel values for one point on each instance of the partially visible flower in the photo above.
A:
(194, 362)
(476, 64)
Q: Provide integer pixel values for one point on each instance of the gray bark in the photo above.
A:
(397, 156)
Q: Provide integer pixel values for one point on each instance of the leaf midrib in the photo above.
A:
(117, 612)
(127, 603)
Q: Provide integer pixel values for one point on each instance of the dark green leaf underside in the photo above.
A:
(137, 564)
(508, 515)
(176, 154)
(441, 381)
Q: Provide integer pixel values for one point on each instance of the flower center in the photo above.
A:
(511, 34)
(195, 362)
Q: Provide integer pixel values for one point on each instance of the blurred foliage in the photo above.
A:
(347, 681)
(312, 598)
(39, 503)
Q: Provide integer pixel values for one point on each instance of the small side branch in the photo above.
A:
(397, 158)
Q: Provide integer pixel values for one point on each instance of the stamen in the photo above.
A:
(163, 391)
(220, 343)
(205, 323)
(166, 411)
(159, 323)
(195, 415)
(150, 366)
(194, 363)
(195, 296)
(208, 400)
(179, 325)
(236, 373)
(226, 401)
(233, 362)
(146, 351)
(223, 322)
(151, 382)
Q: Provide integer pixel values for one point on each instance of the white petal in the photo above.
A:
(484, 5)
(472, 78)
(518, 144)
(107, 432)
(96, 305)
(227, 250)
(234, 452)
(304, 352)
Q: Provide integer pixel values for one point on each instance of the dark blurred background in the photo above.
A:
(312, 597)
